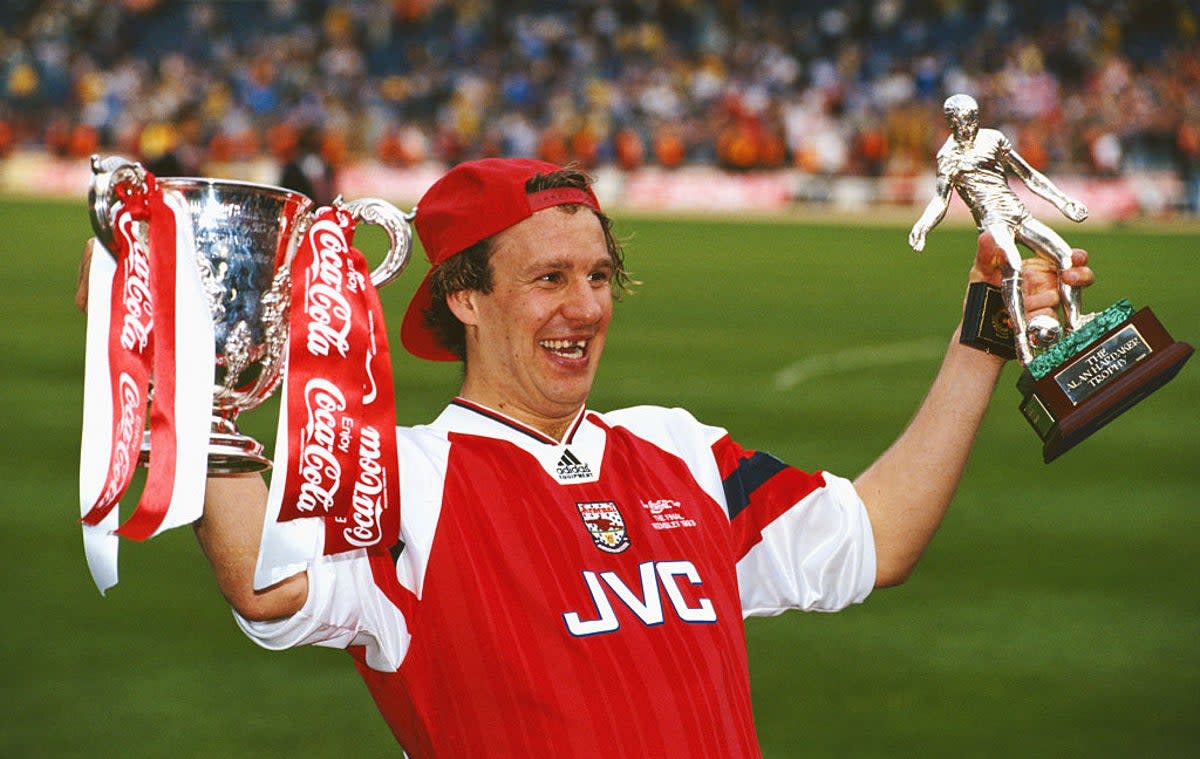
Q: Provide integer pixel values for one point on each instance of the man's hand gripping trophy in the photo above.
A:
(976, 162)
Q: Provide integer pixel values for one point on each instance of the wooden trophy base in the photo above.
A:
(1105, 379)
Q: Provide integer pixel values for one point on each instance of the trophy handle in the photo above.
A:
(107, 173)
(395, 222)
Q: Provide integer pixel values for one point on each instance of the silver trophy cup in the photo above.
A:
(246, 236)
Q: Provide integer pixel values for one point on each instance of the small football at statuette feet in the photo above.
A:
(1043, 331)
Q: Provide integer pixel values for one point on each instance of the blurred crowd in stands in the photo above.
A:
(833, 87)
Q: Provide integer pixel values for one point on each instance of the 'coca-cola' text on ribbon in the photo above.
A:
(340, 432)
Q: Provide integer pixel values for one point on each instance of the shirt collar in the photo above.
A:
(474, 418)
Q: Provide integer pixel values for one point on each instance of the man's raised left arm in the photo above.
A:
(908, 489)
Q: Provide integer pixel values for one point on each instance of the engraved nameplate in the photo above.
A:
(1103, 363)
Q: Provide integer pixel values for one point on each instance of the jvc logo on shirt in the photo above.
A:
(655, 577)
(571, 468)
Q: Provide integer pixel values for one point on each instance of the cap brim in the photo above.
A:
(417, 338)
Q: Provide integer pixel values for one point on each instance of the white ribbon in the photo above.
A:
(99, 542)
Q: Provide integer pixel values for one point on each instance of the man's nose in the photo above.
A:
(583, 302)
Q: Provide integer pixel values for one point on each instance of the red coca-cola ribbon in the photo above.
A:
(141, 347)
(160, 478)
(340, 408)
(130, 345)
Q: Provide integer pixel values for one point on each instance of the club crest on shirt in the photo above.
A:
(605, 524)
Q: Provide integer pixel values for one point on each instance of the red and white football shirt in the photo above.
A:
(582, 597)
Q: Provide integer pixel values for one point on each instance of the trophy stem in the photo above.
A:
(231, 453)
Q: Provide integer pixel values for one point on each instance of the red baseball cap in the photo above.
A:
(468, 204)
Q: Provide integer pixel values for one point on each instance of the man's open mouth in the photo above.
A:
(565, 348)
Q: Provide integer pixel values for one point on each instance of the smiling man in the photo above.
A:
(572, 583)
(530, 306)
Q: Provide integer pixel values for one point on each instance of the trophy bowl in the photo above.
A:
(246, 235)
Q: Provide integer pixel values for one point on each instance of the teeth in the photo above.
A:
(570, 348)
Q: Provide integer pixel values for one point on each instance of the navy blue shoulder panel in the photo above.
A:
(751, 472)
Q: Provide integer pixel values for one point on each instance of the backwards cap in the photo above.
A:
(468, 204)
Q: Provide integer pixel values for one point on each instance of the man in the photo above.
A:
(976, 163)
(573, 583)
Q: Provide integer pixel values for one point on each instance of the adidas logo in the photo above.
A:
(571, 468)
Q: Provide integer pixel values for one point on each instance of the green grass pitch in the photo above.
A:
(1057, 613)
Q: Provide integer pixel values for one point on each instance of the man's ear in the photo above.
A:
(462, 304)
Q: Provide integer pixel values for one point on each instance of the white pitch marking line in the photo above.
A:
(857, 359)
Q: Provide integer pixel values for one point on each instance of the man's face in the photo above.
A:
(534, 341)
